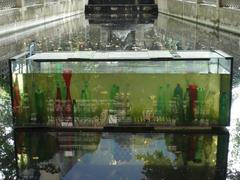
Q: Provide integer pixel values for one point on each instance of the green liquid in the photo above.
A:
(138, 96)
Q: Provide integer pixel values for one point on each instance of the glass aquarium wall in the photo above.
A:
(98, 89)
(79, 155)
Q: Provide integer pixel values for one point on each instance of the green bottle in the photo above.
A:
(224, 108)
(26, 108)
(59, 80)
(75, 112)
(178, 91)
(114, 90)
(159, 106)
(87, 97)
(187, 110)
(40, 105)
(83, 104)
(199, 150)
(87, 93)
(178, 94)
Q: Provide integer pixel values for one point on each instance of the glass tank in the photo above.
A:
(101, 89)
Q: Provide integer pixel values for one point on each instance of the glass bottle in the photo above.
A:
(59, 79)
(193, 98)
(178, 94)
(87, 99)
(224, 108)
(75, 112)
(87, 93)
(199, 149)
(186, 106)
(26, 109)
(67, 75)
(113, 92)
(51, 111)
(83, 104)
(16, 98)
(58, 107)
(68, 113)
(40, 105)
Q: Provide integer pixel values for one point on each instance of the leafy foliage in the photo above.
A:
(7, 155)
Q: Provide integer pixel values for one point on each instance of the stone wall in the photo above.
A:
(192, 36)
(211, 15)
(38, 11)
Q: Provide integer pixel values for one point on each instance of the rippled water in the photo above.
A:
(77, 33)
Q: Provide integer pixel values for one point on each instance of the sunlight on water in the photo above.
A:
(234, 146)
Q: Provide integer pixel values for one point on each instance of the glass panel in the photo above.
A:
(145, 67)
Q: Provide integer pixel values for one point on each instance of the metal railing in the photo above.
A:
(5, 4)
(234, 4)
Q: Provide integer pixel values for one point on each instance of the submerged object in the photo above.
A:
(224, 107)
(114, 91)
(193, 97)
(68, 106)
(16, 97)
(178, 94)
(40, 105)
(67, 75)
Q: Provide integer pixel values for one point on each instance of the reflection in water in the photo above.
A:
(110, 36)
(7, 158)
(162, 33)
(120, 156)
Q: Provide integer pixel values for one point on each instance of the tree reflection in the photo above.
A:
(156, 166)
(7, 157)
(187, 157)
(233, 171)
(7, 165)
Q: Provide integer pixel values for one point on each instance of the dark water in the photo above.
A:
(121, 155)
(80, 34)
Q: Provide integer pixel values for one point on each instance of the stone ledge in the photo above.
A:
(225, 19)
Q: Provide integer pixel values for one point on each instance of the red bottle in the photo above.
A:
(193, 98)
(16, 98)
(68, 108)
(67, 75)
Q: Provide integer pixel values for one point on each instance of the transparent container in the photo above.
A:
(100, 89)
